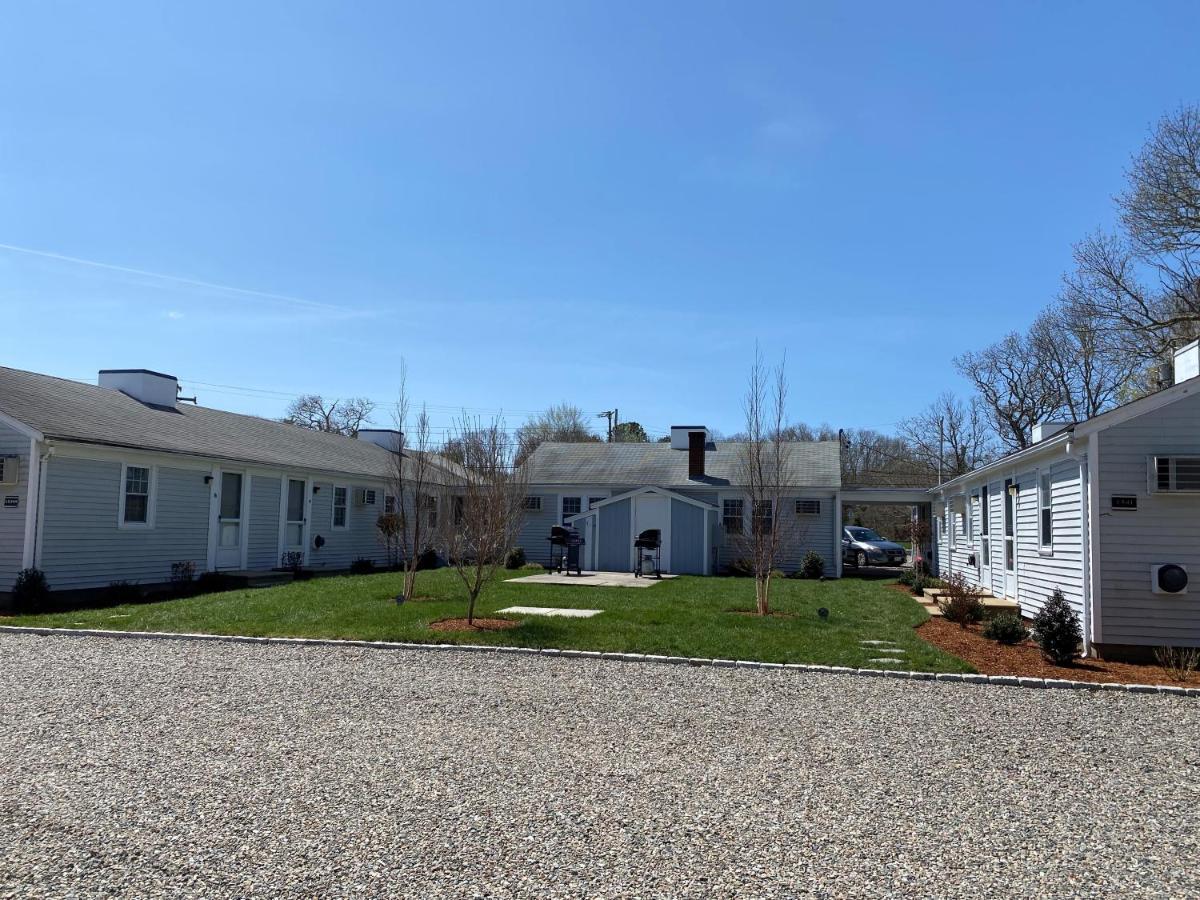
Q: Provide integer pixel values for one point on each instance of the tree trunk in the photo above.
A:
(762, 589)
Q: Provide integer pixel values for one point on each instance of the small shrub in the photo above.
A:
(515, 558)
(812, 566)
(30, 591)
(778, 573)
(961, 603)
(1006, 628)
(293, 561)
(739, 568)
(1179, 663)
(182, 573)
(214, 583)
(533, 567)
(362, 566)
(428, 559)
(1056, 630)
(120, 592)
(908, 577)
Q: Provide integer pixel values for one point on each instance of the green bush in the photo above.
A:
(1057, 631)
(30, 591)
(908, 577)
(515, 558)
(362, 566)
(120, 592)
(961, 604)
(182, 575)
(428, 559)
(533, 567)
(812, 566)
(739, 568)
(1006, 628)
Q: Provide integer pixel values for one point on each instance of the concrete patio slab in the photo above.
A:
(592, 579)
(552, 611)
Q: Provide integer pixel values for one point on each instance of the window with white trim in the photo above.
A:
(571, 506)
(136, 485)
(1176, 474)
(592, 501)
(733, 515)
(341, 512)
(532, 504)
(764, 518)
(429, 506)
(1045, 511)
(389, 505)
(808, 507)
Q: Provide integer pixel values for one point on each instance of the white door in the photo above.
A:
(295, 519)
(985, 538)
(229, 521)
(653, 511)
(1010, 539)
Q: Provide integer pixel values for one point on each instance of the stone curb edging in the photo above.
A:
(1003, 680)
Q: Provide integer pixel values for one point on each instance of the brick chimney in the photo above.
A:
(696, 440)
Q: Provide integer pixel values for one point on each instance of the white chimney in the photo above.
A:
(1043, 430)
(1187, 362)
(387, 438)
(679, 435)
(151, 388)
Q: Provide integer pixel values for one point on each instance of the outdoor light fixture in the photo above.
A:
(208, 479)
(1012, 490)
(316, 489)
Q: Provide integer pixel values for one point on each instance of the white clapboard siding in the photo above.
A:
(12, 518)
(262, 542)
(1040, 571)
(1164, 529)
(82, 547)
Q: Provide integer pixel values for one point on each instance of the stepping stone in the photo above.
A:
(552, 611)
(876, 643)
(889, 651)
(886, 660)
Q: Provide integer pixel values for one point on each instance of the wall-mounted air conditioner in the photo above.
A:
(1168, 578)
(10, 469)
(364, 497)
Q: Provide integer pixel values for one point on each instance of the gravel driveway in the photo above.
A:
(138, 767)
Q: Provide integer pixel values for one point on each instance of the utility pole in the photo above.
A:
(611, 415)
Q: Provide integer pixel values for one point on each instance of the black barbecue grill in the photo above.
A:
(565, 554)
(649, 550)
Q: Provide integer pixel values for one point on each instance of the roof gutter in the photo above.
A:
(1063, 437)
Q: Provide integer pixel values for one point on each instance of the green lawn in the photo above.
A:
(686, 616)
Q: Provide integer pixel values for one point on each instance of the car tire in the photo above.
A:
(860, 559)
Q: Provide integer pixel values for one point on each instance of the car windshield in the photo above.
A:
(863, 534)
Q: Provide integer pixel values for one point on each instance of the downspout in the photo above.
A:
(43, 459)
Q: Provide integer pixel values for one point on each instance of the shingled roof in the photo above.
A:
(85, 413)
(811, 464)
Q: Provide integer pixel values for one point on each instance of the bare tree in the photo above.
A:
(339, 416)
(765, 468)
(1085, 367)
(1142, 287)
(950, 436)
(414, 483)
(486, 507)
(1012, 386)
(562, 422)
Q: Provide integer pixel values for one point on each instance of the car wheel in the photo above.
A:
(860, 559)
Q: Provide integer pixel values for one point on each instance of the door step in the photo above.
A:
(993, 605)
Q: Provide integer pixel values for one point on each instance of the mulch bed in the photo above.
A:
(477, 625)
(1026, 659)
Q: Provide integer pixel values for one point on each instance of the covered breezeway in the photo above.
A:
(918, 500)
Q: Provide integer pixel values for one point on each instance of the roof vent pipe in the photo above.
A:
(696, 454)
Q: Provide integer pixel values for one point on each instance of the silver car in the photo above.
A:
(863, 547)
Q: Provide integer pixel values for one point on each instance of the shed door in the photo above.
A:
(652, 511)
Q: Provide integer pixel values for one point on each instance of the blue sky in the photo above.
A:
(601, 203)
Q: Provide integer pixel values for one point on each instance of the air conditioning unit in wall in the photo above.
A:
(364, 497)
(1169, 578)
(10, 469)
